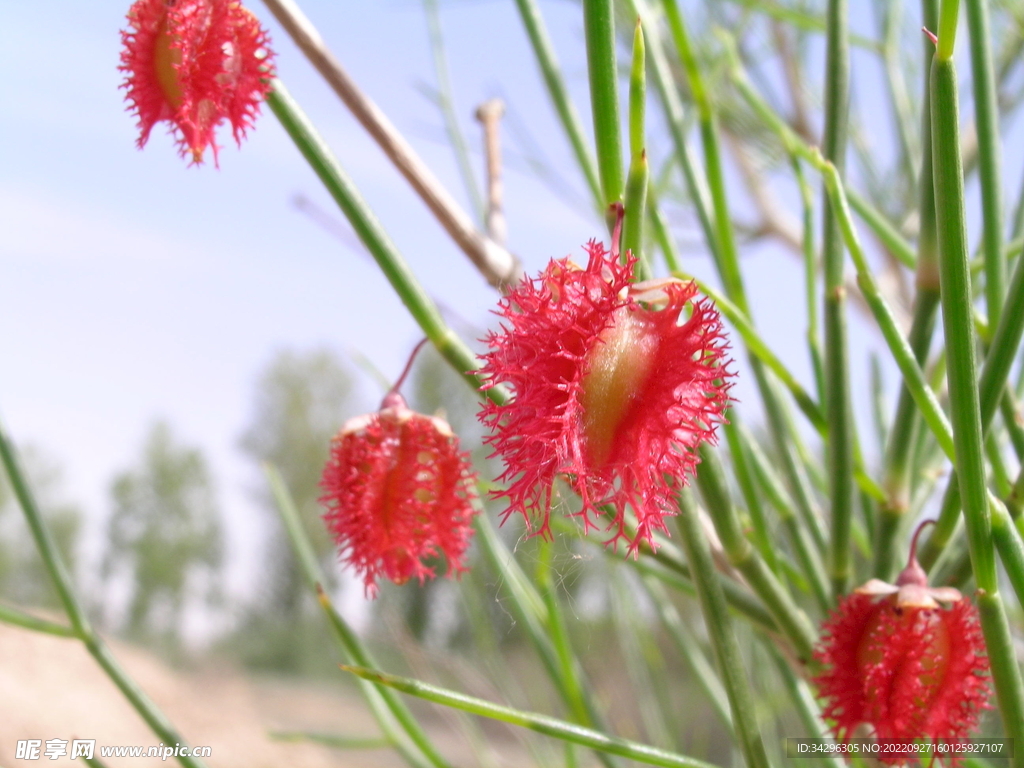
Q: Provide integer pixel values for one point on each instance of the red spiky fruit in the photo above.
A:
(194, 64)
(907, 659)
(398, 492)
(614, 386)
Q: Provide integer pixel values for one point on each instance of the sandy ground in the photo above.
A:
(51, 688)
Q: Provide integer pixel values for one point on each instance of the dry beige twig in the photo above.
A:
(489, 114)
(499, 267)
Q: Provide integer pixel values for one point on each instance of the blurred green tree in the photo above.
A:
(164, 537)
(302, 399)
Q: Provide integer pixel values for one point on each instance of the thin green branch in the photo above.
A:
(810, 255)
(1010, 546)
(599, 29)
(899, 98)
(727, 257)
(690, 650)
(533, 610)
(884, 229)
(958, 320)
(668, 92)
(903, 354)
(986, 120)
(803, 20)
(803, 545)
(759, 531)
(897, 480)
(667, 565)
(962, 376)
(742, 555)
(335, 741)
(544, 52)
(720, 630)
(19, 618)
(637, 179)
(550, 726)
(759, 349)
(571, 679)
(838, 407)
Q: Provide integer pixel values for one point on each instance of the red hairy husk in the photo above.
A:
(398, 492)
(195, 64)
(910, 672)
(556, 329)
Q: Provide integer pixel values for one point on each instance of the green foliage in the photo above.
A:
(164, 537)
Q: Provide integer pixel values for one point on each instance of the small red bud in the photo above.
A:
(898, 660)
(398, 492)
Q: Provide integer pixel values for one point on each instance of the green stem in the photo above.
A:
(903, 354)
(810, 255)
(1009, 546)
(544, 51)
(570, 678)
(759, 533)
(19, 618)
(599, 28)
(644, 660)
(541, 723)
(992, 391)
(1015, 501)
(720, 631)
(806, 553)
(1011, 415)
(668, 92)
(637, 179)
(899, 450)
(957, 319)
(1017, 222)
(690, 650)
(892, 27)
(883, 229)
(392, 715)
(533, 612)
(896, 479)
(837, 364)
(667, 565)
(949, 12)
(742, 555)
(962, 377)
(1002, 659)
(806, 707)
(662, 236)
(330, 739)
(727, 257)
(80, 626)
(986, 119)
(759, 349)
(372, 234)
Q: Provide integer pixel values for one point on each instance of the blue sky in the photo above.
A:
(133, 287)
